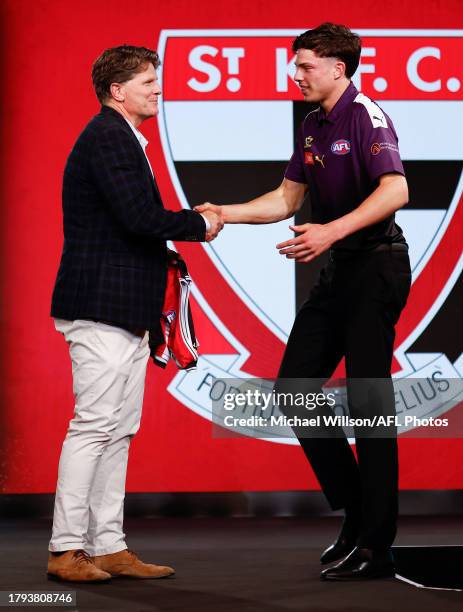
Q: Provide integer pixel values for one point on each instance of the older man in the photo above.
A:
(109, 291)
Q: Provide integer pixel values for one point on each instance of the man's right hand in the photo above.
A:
(215, 217)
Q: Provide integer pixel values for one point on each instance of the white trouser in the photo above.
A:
(108, 370)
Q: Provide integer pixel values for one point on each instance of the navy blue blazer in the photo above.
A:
(114, 261)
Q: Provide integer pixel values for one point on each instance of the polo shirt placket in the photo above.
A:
(341, 155)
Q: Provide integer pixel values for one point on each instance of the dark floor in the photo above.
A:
(231, 565)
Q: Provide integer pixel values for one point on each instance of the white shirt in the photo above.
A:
(143, 142)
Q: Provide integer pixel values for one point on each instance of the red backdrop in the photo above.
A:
(48, 49)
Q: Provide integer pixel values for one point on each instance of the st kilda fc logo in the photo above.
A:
(227, 123)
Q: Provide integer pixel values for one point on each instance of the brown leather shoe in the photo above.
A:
(75, 566)
(126, 563)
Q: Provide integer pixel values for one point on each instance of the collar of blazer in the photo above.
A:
(107, 111)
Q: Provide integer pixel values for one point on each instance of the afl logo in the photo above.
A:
(340, 147)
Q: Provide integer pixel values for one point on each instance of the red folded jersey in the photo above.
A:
(180, 342)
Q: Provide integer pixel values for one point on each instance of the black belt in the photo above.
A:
(343, 254)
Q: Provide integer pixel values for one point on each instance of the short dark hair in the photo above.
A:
(118, 65)
(331, 40)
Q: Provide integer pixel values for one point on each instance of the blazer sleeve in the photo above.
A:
(116, 170)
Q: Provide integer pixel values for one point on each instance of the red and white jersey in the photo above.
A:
(180, 342)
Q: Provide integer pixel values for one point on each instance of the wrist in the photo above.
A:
(337, 229)
(225, 214)
(206, 221)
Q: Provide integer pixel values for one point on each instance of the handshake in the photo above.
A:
(215, 216)
(309, 240)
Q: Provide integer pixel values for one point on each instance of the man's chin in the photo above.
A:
(151, 114)
(309, 97)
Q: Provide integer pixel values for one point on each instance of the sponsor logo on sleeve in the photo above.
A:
(377, 147)
(340, 147)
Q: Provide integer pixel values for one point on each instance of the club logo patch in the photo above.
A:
(308, 142)
(340, 147)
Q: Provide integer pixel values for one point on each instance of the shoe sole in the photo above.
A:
(357, 578)
(58, 579)
(336, 559)
(125, 577)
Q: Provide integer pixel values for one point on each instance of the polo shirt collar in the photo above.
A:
(347, 97)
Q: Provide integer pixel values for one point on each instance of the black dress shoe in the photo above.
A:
(343, 545)
(362, 564)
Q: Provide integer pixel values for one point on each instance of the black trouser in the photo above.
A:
(352, 312)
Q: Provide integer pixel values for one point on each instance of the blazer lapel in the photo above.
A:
(149, 172)
(107, 110)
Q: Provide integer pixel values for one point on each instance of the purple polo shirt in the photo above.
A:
(341, 157)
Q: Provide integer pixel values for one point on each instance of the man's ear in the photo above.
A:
(339, 69)
(117, 92)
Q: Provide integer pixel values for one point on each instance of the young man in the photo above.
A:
(347, 156)
(109, 291)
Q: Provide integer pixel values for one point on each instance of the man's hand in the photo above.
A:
(216, 225)
(314, 240)
(214, 215)
(207, 206)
